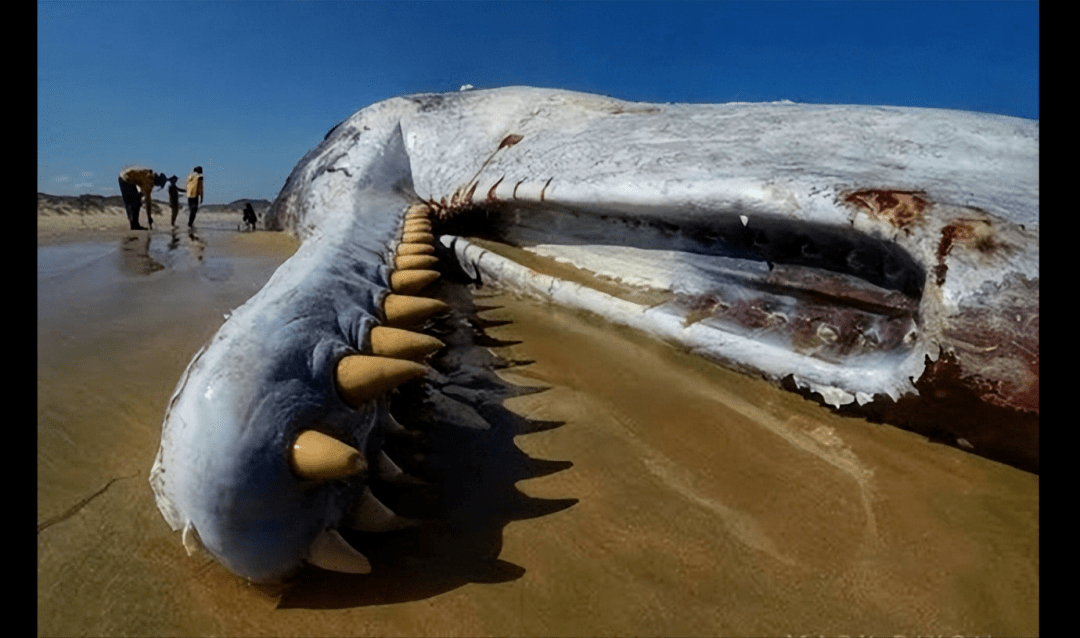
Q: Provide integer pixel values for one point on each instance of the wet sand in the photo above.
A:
(684, 499)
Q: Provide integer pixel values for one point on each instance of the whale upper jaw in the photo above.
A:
(869, 255)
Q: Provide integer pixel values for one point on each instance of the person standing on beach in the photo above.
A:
(194, 193)
(174, 199)
(134, 179)
(249, 216)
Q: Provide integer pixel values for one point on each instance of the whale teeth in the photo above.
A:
(417, 226)
(391, 425)
(402, 310)
(193, 544)
(402, 344)
(387, 470)
(414, 262)
(417, 238)
(417, 210)
(370, 515)
(361, 378)
(330, 551)
(408, 282)
(318, 457)
(415, 249)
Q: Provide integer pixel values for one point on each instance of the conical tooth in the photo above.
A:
(387, 470)
(410, 282)
(361, 378)
(193, 544)
(417, 238)
(417, 210)
(394, 429)
(402, 310)
(402, 344)
(370, 515)
(391, 425)
(331, 551)
(415, 249)
(415, 262)
(318, 457)
(417, 226)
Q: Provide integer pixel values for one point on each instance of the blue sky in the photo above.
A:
(245, 88)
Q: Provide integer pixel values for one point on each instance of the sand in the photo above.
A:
(668, 496)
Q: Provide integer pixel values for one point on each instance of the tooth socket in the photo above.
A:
(401, 311)
(410, 282)
(415, 262)
(362, 378)
(402, 344)
(319, 457)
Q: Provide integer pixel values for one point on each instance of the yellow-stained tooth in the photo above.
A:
(417, 238)
(402, 344)
(415, 249)
(421, 225)
(417, 210)
(410, 282)
(361, 378)
(402, 310)
(415, 262)
(318, 457)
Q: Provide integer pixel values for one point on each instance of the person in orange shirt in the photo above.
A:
(133, 181)
(194, 193)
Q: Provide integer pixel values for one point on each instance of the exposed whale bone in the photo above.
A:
(843, 248)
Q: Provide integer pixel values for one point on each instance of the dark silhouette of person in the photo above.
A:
(250, 219)
(174, 199)
(194, 193)
(136, 181)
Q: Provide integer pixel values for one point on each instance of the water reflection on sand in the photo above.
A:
(705, 503)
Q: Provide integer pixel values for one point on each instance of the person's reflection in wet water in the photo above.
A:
(198, 245)
(135, 255)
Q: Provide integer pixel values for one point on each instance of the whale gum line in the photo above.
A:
(709, 503)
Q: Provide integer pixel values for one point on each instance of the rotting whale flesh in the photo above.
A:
(881, 259)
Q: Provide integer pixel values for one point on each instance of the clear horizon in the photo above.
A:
(246, 88)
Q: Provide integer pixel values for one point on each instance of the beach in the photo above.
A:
(663, 495)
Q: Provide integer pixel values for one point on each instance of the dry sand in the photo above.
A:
(686, 499)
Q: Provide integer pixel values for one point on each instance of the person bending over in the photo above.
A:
(133, 181)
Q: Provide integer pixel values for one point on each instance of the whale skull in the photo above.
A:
(864, 255)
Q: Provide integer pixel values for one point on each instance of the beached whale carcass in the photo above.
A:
(867, 255)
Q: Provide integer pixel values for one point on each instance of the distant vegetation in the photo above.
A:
(97, 204)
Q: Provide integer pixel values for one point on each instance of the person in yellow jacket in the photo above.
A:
(133, 180)
(194, 193)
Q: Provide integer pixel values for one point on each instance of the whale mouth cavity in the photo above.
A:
(830, 295)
